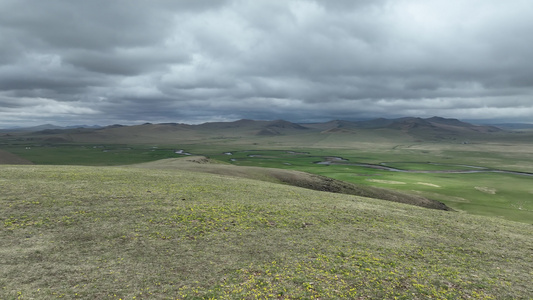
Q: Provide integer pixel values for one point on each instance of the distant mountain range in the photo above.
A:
(46, 127)
(435, 128)
(407, 124)
(514, 126)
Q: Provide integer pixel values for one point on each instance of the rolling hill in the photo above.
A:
(290, 177)
(124, 233)
(429, 129)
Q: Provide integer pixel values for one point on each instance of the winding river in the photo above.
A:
(344, 162)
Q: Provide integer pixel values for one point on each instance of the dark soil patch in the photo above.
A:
(7, 158)
(326, 184)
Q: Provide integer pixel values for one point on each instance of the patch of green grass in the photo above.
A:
(90, 154)
(490, 194)
(512, 199)
(425, 166)
(112, 233)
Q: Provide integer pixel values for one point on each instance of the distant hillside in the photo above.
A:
(171, 132)
(32, 128)
(454, 124)
(334, 126)
(46, 127)
(408, 124)
(405, 123)
(251, 127)
(513, 126)
(434, 128)
(280, 127)
(436, 124)
(430, 128)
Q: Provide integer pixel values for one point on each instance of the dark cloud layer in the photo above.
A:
(131, 61)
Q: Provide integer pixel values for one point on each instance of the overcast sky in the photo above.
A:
(103, 62)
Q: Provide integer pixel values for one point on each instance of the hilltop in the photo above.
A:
(115, 232)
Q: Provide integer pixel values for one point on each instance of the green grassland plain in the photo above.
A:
(113, 232)
(492, 194)
(488, 193)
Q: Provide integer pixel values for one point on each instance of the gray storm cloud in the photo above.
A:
(132, 61)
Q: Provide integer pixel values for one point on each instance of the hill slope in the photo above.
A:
(291, 177)
(95, 233)
(435, 128)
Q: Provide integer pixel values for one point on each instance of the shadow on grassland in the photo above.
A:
(7, 158)
(291, 177)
